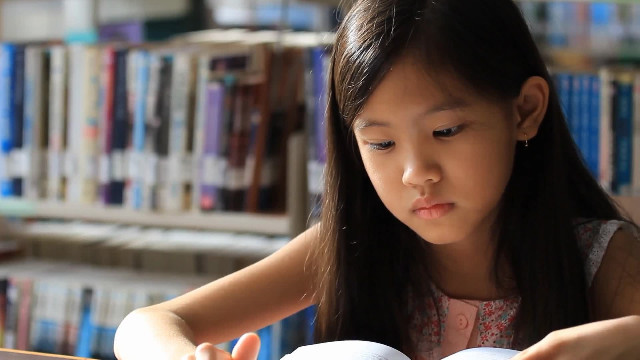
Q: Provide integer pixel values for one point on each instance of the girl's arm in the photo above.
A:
(246, 300)
(615, 303)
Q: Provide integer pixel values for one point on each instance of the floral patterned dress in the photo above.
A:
(442, 325)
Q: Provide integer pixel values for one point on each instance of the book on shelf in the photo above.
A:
(603, 116)
(8, 354)
(74, 309)
(600, 31)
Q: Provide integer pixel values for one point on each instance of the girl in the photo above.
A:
(457, 210)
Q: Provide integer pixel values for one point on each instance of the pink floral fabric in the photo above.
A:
(433, 325)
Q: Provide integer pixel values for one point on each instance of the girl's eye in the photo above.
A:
(381, 145)
(448, 132)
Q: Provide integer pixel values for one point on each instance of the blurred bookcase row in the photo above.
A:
(206, 131)
(585, 32)
(72, 309)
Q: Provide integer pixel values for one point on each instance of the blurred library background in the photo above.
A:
(148, 147)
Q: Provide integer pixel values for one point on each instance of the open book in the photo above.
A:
(367, 350)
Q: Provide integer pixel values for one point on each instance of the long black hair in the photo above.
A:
(369, 262)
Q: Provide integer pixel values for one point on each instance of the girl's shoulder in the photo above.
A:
(593, 236)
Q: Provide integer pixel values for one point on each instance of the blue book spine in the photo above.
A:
(585, 113)
(292, 333)
(7, 91)
(18, 112)
(557, 32)
(86, 328)
(623, 119)
(563, 81)
(139, 118)
(594, 126)
(310, 321)
(575, 111)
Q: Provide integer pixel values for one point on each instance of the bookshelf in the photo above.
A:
(288, 224)
(221, 221)
(7, 354)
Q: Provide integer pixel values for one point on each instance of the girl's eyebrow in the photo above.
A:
(452, 103)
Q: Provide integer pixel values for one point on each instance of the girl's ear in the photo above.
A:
(530, 107)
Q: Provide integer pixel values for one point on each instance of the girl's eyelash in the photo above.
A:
(385, 145)
(449, 132)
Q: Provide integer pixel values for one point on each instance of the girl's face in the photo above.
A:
(439, 160)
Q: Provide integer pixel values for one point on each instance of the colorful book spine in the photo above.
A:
(213, 164)
(30, 164)
(136, 154)
(7, 61)
(151, 126)
(594, 126)
(107, 85)
(90, 149)
(72, 313)
(575, 111)
(199, 129)
(636, 134)
(57, 116)
(120, 130)
(235, 185)
(563, 84)
(73, 150)
(605, 159)
(585, 114)
(318, 157)
(179, 152)
(623, 120)
(24, 314)
(85, 329)
(11, 323)
(4, 287)
(161, 141)
(18, 120)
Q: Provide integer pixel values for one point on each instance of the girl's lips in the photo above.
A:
(433, 212)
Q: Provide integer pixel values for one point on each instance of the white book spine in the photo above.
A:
(75, 123)
(57, 91)
(198, 129)
(180, 94)
(89, 164)
(32, 130)
(150, 157)
(131, 170)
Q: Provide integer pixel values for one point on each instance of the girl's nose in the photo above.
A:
(419, 173)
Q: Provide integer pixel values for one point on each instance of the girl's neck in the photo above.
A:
(465, 270)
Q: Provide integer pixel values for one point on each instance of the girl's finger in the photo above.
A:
(206, 351)
(247, 347)
(188, 357)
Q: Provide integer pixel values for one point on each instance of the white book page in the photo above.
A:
(346, 350)
(483, 353)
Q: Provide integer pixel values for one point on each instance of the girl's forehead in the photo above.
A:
(407, 81)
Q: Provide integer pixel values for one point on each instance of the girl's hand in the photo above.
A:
(246, 349)
(602, 340)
